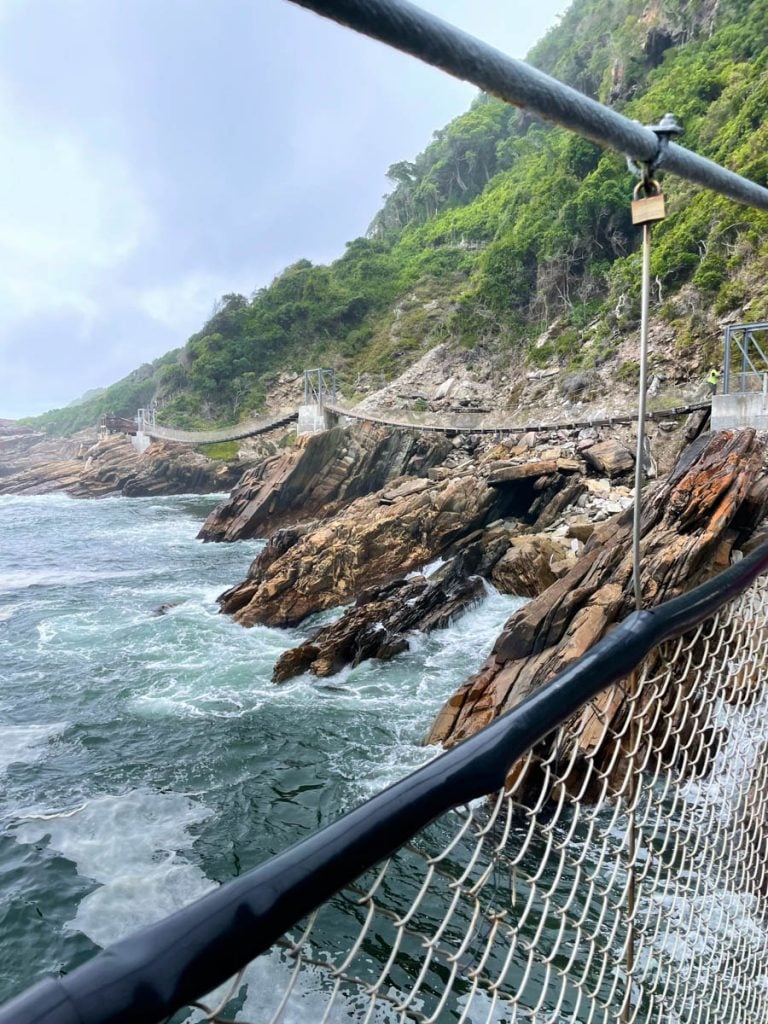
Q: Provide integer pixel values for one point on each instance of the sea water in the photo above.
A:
(145, 758)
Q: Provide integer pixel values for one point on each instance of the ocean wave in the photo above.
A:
(25, 744)
(129, 843)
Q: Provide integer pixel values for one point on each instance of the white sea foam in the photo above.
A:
(269, 977)
(24, 744)
(23, 579)
(428, 569)
(130, 845)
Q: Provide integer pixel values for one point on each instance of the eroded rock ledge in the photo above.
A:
(321, 473)
(92, 469)
(709, 504)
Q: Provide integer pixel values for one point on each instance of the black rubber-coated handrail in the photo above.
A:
(150, 975)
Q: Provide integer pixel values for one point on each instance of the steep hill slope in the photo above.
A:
(509, 241)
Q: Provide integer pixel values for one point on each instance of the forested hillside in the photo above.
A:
(504, 226)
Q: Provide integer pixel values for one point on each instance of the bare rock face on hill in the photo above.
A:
(323, 472)
(713, 498)
(112, 466)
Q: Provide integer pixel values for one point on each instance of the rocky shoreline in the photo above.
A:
(352, 516)
(87, 466)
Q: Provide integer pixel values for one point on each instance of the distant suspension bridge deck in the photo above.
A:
(461, 423)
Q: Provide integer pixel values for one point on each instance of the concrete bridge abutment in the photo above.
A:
(314, 418)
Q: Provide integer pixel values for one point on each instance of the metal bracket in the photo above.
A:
(668, 127)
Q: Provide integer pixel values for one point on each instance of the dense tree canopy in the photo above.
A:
(507, 225)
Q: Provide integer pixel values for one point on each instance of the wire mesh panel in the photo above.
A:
(620, 876)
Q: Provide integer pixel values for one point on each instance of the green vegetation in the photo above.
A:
(226, 451)
(504, 226)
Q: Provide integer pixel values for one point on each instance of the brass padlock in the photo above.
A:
(651, 207)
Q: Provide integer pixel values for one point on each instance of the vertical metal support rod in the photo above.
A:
(727, 370)
(640, 452)
(636, 523)
(744, 343)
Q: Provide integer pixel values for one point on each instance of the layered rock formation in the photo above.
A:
(380, 621)
(320, 474)
(23, 449)
(374, 540)
(377, 539)
(111, 465)
(714, 497)
(382, 618)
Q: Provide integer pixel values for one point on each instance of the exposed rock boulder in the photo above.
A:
(378, 624)
(368, 543)
(609, 457)
(321, 474)
(530, 565)
(687, 527)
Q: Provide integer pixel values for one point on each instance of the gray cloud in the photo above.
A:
(158, 155)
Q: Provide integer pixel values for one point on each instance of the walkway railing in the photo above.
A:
(596, 854)
(746, 362)
(473, 423)
(249, 428)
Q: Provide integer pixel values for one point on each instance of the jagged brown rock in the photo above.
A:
(321, 474)
(527, 567)
(369, 542)
(686, 523)
(112, 465)
(378, 624)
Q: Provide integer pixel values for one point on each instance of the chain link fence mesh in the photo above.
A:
(619, 876)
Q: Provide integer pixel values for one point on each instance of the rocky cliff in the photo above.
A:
(709, 504)
(321, 472)
(89, 468)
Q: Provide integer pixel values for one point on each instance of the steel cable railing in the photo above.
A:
(517, 906)
(238, 431)
(406, 27)
(469, 423)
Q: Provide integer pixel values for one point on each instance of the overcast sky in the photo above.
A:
(159, 154)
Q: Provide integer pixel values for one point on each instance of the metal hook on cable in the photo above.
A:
(667, 127)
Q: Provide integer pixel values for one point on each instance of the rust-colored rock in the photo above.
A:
(366, 544)
(686, 522)
(321, 474)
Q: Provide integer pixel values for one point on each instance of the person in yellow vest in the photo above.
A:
(712, 378)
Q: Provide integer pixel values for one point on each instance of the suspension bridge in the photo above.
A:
(743, 402)
(325, 414)
(520, 876)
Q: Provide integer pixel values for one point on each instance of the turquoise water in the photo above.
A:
(145, 759)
